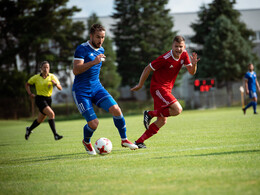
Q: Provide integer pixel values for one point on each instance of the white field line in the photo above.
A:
(135, 153)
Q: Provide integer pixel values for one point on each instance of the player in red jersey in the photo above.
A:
(165, 70)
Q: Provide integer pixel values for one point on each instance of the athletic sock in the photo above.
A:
(254, 106)
(52, 125)
(153, 129)
(34, 125)
(87, 133)
(249, 105)
(119, 122)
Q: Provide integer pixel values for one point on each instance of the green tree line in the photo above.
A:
(32, 31)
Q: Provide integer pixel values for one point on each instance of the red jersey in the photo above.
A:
(166, 69)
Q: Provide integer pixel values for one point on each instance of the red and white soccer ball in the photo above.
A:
(103, 146)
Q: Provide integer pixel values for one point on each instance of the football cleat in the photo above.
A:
(127, 143)
(147, 119)
(58, 137)
(244, 110)
(27, 133)
(140, 145)
(89, 148)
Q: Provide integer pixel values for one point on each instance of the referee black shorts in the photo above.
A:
(42, 102)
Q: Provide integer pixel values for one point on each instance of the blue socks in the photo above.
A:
(119, 122)
(252, 103)
(254, 106)
(87, 133)
(249, 105)
(120, 125)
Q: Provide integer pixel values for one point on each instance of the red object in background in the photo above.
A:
(212, 81)
(203, 85)
(197, 82)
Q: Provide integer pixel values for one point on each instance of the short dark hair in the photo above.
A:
(44, 62)
(178, 39)
(96, 27)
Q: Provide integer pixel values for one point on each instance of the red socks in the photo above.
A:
(153, 129)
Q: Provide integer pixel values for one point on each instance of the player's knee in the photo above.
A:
(93, 124)
(51, 115)
(115, 110)
(40, 120)
(179, 110)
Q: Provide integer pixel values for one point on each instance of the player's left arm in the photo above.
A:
(192, 69)
(56, 82)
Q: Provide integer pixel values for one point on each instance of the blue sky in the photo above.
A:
(105, 7)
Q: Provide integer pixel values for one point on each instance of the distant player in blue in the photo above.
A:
(88, 90)
(251, 84)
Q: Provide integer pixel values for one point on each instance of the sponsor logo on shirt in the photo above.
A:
(171, 66)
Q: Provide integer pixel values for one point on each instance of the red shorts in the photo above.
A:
(162, 98)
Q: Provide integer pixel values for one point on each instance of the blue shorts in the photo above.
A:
(252, 94)
(100, 98)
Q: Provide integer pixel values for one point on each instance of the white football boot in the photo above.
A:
(127, 143)
(89, 148)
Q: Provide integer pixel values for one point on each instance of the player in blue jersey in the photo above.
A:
(251, 84)
(88, 90)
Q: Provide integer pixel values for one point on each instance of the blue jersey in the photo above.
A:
(87, 81)
(251, 77)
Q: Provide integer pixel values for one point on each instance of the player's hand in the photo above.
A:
(136, 88)
(99, 58)
(32, 96)
(247, 92)
(194, 58)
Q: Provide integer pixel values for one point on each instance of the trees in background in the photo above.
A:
(30, 32)
(35, 31)
(224, 42)
(142, 32)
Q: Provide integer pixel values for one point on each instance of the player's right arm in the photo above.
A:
(28, 84)
(27, 87)
(79, 66)
(246, 86)
(144, 76)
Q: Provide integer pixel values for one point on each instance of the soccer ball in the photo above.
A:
(103, 146)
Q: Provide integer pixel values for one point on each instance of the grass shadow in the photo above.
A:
(46, 158)
(210, 154)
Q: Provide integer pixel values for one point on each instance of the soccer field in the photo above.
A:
(198, 152)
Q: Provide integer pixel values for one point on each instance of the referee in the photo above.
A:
(44, 85)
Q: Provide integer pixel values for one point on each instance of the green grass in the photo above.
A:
(198, 152)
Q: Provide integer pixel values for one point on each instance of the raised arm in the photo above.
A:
(144, 76)
(192, 69)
